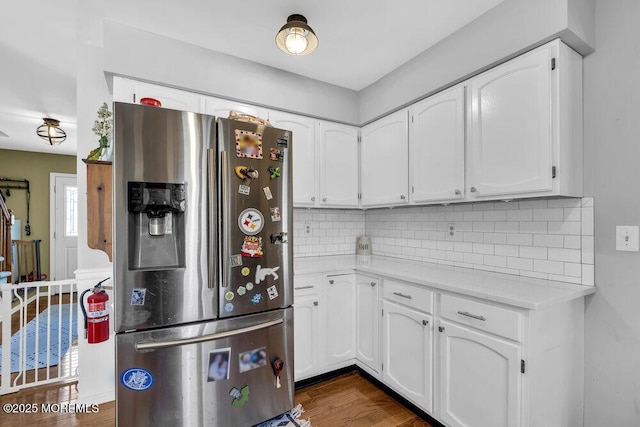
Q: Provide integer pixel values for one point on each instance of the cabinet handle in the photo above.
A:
(425, 322)
(400, 294)
(315, 303)
(324, 199)
(313, 199)
(299, 288)
(373, 283)
(473, 189)
(331, 282)
(402, 197)
(457, 192)
(441, 328)
(474, 316)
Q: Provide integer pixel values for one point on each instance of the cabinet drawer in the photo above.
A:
(497, 320)
(306, 284)
(413, 296)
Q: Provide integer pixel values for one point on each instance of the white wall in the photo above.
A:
(612, 176)
(146, 56)
(510, 28)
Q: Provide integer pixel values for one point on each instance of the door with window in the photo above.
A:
(64, 226)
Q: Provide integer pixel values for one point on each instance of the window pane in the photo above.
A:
(71, 211)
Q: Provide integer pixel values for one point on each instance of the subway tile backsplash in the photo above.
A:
(326, 231)
(543, 238)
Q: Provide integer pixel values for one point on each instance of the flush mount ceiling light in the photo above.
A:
(296, 37)
(51, 132)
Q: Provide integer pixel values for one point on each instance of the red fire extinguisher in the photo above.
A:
(96, 318)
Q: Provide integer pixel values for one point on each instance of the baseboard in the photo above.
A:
(98, 398)
(404, 402)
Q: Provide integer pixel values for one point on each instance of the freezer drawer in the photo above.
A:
(216, 373)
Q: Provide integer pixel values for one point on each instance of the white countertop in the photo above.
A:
(518, 291)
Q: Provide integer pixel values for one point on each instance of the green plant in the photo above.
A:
(102, 127)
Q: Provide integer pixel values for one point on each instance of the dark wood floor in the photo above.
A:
(348, 400)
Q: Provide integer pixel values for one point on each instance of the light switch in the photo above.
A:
(627, 238)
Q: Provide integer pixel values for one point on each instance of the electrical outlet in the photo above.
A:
(628, 238)
(307, 228)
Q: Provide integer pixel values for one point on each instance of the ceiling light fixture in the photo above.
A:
(51, 132)
(296, 37)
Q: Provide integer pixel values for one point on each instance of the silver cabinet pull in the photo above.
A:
(457, 192)
(373, 283)
(402, 197)
(313, 199)
(473, 189)
(299, 288)
(324, 199)
(400, 294)
(441, 328)
(331, 282)
(158, 345)
(315, 303)
(425, 322)
(474, 316)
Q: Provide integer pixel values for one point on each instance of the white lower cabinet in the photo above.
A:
(407, 364)
(307, 327)
(480, 378)
(367, 322)
(339, 319)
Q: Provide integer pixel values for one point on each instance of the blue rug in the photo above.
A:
(56, 326)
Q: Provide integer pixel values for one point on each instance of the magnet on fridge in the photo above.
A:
(283, 142)
(229, 296)
(245, 172)
(252, 247)
(251, 221)
(267, 193)
(275, 214)
(235, 260)
(274, 172)
(272, 292)
(245, 271)
(256, 299)
(276, 155)
(228, 307)
(249, 286)
(240, 397)
(262, 273)
(248, 144)
(241, 290)
(244, 189)
(278, 239)
(138, 296)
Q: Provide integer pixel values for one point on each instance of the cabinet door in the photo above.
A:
(221, 107)
(408, 353)
(338, 145)
(170, 98)
(385, 161)
(436, 144)
(340, 319)
(479, 379)
(305, 336)
(304, 155)
(367, 321)
(510, 137)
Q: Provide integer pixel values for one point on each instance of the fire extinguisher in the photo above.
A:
(96, 318)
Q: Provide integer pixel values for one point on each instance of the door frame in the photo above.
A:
(52, 216)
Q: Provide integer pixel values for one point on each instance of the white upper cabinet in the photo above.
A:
(384, 161)
(304, 155)
(221, 107)
(338, 146)
(524, 135)
(132, 91)
(436, 146)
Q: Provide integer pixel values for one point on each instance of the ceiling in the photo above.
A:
(360, 42)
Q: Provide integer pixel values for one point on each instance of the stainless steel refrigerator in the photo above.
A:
(203, 269)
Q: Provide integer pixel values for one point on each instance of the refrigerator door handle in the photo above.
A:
(224, 214)
(213, 218)
(144, 346)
